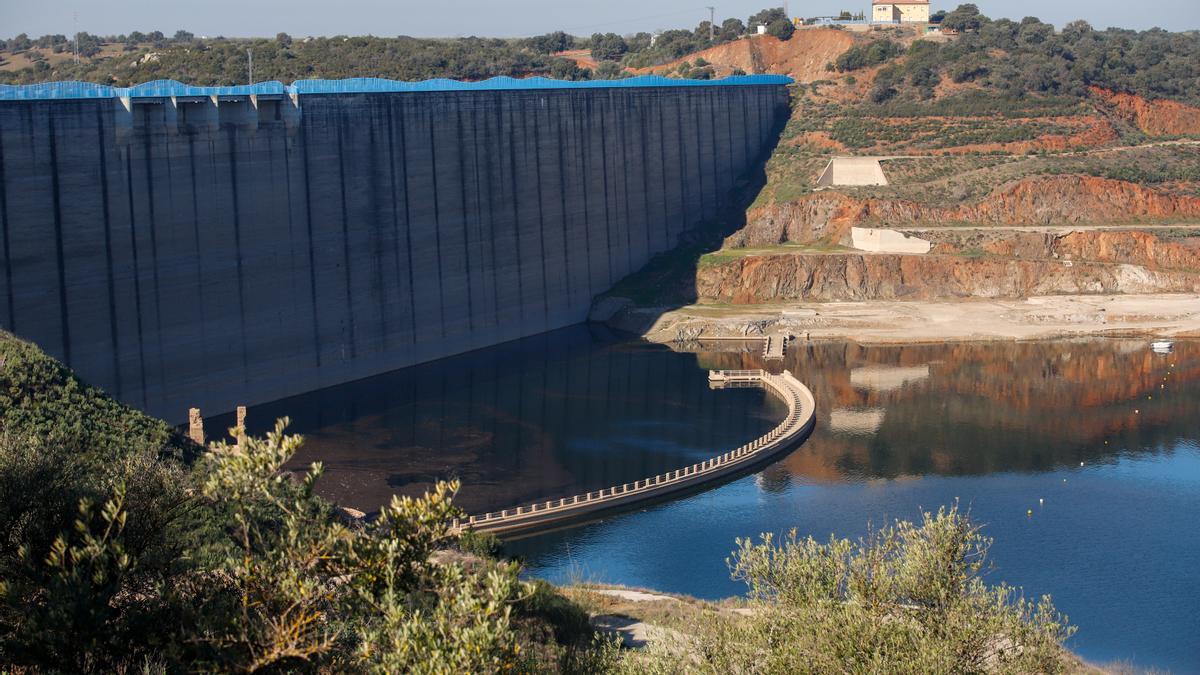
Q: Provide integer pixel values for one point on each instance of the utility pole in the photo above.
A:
(250, 66)
(75, 51)
(712, 19)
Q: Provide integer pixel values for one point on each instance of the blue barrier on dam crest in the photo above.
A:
(357, 85)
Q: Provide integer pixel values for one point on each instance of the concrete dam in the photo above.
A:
(183, 246)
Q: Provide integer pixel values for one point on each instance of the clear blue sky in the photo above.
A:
(503, 18)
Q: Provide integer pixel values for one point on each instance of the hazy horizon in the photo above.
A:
(456, 18)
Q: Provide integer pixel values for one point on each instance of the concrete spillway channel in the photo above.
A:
(794, 428)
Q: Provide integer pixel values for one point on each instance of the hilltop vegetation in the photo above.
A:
(1030, 58)
(1009, 59)
(220, 61)
(123, 60)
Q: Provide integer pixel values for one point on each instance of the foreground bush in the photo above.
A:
(907, 598)
(280, 584)
(120, 551)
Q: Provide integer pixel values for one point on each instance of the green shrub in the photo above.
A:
(119, 555)
(905, 598)
(781, 28)
(482, 544)
(868, 54)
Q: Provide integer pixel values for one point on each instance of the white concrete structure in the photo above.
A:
(883, 378)
(852, 171)
(856, 422)
(886, 241)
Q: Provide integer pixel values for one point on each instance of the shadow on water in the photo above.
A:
(583, 408)
(556, 414)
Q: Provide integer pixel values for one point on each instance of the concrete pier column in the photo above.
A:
(123, 119)
(195, 426)
(241, 426)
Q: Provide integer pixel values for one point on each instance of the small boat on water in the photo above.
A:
(1162, 346)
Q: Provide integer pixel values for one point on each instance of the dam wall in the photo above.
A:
(186, 247)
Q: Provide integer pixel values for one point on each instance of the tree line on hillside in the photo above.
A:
(141, 57)
(643, 49)
(1011, 58)
(1016, 58)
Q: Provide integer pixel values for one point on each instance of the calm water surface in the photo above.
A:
(1105, 432)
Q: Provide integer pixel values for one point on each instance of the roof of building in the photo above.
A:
(900, 2)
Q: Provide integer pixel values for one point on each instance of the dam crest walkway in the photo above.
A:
(796, 425)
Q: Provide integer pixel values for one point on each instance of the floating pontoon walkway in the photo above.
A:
(794, 428)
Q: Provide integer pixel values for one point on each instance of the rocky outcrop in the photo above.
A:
(822, 215)
(1067, 199)
(1010, 244)
(803, 57)
(1140, 248)
(1038, 200)
(848, 277)
(1155, 118)
(1108, 246)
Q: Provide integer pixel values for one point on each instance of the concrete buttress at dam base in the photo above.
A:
(214, 251)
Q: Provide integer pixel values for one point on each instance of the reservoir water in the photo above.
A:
(1100, 438)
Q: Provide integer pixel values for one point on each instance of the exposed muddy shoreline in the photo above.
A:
(909, 322)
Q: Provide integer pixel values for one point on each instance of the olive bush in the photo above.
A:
(908, 598)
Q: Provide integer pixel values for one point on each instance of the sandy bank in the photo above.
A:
(927, 321)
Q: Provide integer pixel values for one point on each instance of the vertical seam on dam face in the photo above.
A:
(466, 227)
(60, 260)
(136, 273)
(391, 156)
(197, 239)
(8, 276)
(237, 240)
(408, 242)
(516, 217)
(312, 259)
(608, 235)
(349, 274)
(537, 169)
(559, 194)
(113, 334)
(488, 215)
(377, 238)
(437, 228)
(562, 195)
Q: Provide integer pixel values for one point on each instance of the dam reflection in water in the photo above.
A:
(1104, 431)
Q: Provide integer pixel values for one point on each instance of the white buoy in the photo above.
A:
(1041, 501)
